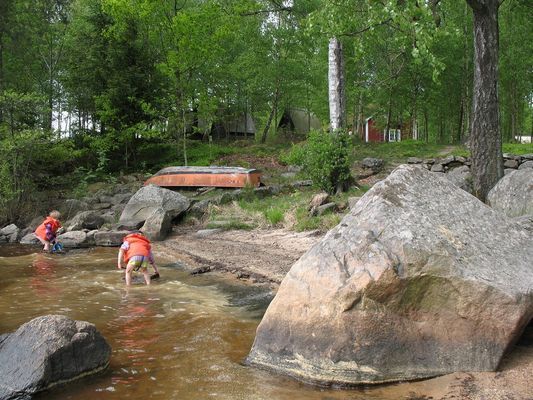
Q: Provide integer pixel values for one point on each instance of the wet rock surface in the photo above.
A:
(47, 351)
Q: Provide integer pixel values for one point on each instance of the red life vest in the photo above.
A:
(41, 229)
(138, 246)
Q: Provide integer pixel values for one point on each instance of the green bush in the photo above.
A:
(325, 159)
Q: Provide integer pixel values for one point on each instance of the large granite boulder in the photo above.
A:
(419, 279)
(148, 204)
(513, 194)
(85, 220)
(47, 351)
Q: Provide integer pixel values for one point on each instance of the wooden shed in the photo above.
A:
(371, 133)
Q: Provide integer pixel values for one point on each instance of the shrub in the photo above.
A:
(325, 159)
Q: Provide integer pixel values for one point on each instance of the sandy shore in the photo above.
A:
(258, 256)
(265, 256)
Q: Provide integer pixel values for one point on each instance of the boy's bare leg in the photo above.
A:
(146, 276)
(129, 268)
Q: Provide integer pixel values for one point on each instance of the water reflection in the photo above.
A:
(43, 272)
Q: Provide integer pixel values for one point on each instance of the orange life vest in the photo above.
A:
(41, 229)
(138, 246)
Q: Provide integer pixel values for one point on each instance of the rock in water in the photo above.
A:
(47, 351)
(419, 279)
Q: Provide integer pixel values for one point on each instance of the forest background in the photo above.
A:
(90, 88)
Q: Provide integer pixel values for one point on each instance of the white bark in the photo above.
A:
(337, 102)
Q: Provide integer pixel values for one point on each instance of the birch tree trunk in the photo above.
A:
(337, 102)
(485, 140)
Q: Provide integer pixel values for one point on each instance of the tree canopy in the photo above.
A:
(104, 77)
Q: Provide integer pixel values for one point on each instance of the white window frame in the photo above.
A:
(395, 135)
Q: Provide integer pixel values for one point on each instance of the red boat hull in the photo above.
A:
(203, 176)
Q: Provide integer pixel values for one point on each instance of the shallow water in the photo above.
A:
(183, 337)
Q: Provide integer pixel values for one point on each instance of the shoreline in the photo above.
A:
(264, 256)
(261, 256)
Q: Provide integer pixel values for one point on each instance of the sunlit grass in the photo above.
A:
(518, 148)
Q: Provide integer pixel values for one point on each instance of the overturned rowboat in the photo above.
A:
(231, 177)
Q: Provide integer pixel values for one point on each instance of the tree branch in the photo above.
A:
(268, 11)
(365, 29)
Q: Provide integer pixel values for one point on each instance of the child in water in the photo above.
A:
(136, 251)
(47, 231)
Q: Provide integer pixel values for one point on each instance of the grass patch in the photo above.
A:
(518, 148)
(305, 222)
(230, 225)
(402, 150)
(274, 215)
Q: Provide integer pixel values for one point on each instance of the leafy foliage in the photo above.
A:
(325, 159)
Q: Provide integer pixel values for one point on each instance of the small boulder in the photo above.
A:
(318, 200)
(90, 237)
(73, 239)
(48, 351)
(526, 164)
(109, 238)
(513, 194)
(375, 164)
(437, 168)
(11, 232)
(461, 177)
(510, 164)
(30, 238)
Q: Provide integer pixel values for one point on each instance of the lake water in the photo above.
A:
(183, 337)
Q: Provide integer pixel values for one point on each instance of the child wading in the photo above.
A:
(46, 232)
(136, 252)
